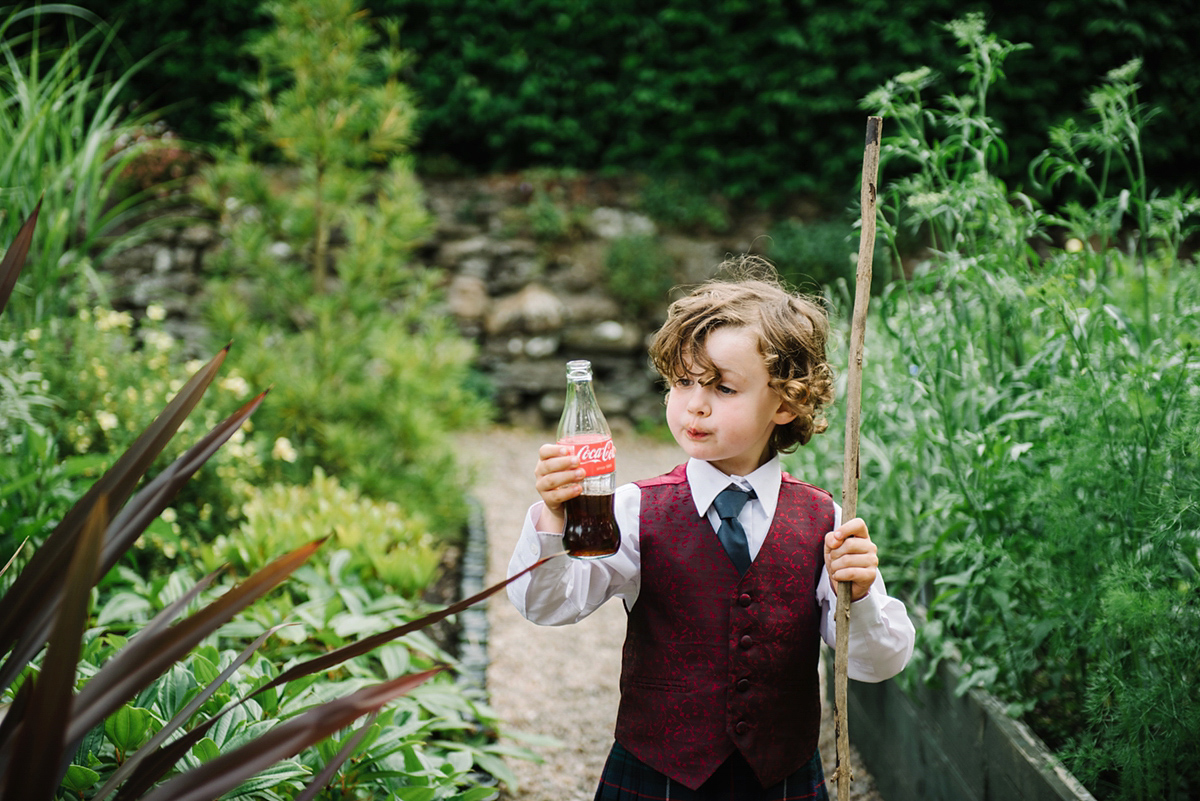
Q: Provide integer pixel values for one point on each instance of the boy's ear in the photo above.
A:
(783, 415)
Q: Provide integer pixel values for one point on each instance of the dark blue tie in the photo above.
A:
(729, 503)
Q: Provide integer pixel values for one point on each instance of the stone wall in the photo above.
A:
(531, 303)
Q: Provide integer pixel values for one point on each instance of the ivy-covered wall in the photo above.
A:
(757, 98)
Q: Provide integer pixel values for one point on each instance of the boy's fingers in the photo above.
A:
(854, 560)
(849, 536)
(550, 449)
(854, 554)
(555, 459)
(853, 528)
(560, 480)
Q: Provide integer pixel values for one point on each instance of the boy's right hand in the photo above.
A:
(557, 479)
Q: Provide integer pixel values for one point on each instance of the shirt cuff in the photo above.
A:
(542, 543)
(867, 609)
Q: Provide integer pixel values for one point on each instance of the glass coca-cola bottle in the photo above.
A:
(591, 529)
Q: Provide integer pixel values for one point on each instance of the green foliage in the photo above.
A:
(386, 544)
(550, 215)
(88, 703)
(65, 139)
(30, 491)
(948, 192)
(639, 273)
(332, 118)
(1018, 454)
(751, 99)
(1150, 621)
(754, 99)
(369, 396)
(435, 737)
(823, 253)
(547, 221)
(106, 372)
(370, 378)
(1023, 468)
(681, 202)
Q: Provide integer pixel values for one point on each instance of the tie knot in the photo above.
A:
(729, 502)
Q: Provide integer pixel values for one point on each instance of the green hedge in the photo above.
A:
(754, 98)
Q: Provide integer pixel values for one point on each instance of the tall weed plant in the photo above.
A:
(1029, 457)
(66, 139)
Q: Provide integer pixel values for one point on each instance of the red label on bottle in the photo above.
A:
(597, 455)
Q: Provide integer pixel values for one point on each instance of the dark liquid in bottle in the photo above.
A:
(591, 529)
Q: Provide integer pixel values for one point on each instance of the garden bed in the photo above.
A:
(937, 745)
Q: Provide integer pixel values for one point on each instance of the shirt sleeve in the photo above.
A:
(881, 634)
(566, 590)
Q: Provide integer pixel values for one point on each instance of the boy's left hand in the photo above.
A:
(850, 556)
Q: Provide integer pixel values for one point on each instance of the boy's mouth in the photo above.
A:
(695, 433)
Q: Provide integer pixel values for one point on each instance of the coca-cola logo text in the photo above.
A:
(596, 457)
(603, 452)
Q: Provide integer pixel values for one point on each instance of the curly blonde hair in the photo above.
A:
(792, 334)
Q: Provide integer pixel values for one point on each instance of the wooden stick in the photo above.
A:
(842, 774)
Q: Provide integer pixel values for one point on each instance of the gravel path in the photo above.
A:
(561, 682)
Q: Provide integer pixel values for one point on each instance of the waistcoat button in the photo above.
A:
(746, 641)
(742, 727)
(744, 599)
(743, 685)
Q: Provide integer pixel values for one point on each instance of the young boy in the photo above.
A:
(728, 593)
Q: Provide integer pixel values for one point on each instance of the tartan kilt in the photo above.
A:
(627, 778)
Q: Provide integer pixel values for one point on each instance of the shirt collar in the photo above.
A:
(705, 481)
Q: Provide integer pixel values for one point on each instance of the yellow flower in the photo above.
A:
(283, 450)
(235, 384)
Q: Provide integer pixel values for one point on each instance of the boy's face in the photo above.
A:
(729, 421)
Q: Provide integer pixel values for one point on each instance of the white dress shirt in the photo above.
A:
(566, 590)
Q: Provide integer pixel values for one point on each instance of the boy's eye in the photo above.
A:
(683, 382)
(724, 390)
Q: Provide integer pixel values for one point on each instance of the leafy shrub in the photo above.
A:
(682, 202)
(370, 398)
(639, 272)
(547, 220)
(755, 100)
(1021, 466)
(385, 543)
(823, 253)
(320, 291)
(105, 373)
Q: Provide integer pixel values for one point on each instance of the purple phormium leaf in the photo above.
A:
(144, 658)
(14, 259)
(172, 610)
(34, 771)
(39, 585)
(155, 765)
(326, 775)
(289, 738)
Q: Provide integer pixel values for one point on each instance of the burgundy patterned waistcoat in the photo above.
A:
(714, 663)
